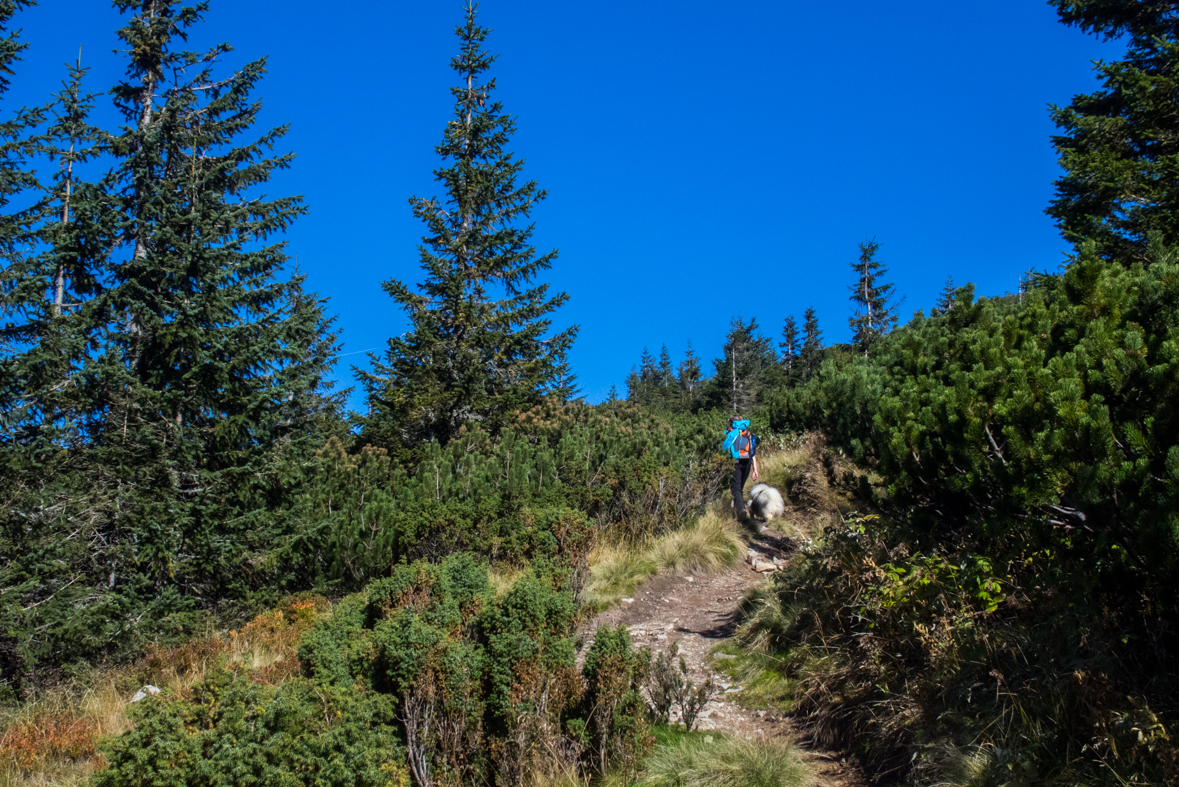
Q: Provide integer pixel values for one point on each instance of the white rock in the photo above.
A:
(147, 691)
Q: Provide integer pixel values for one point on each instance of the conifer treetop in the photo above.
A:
(477, 348)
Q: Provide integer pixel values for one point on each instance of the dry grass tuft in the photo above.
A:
(615, 572)
(51, 739)
(714, 542)
(502, 577)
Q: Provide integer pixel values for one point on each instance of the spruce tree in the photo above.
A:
(810, 355)
(665, 373)
(634, 387)
(642, 386)
(945, 299)
(20, 302)
(1119, 145)
(205, 368)
(872, 314)
(14, 141)
(789, 347)
(52, 289)
(477, 348)
(211, 345)
(689, 377)
(745, 367)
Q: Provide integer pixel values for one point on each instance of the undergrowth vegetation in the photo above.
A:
(55, 735)
(1001, 609)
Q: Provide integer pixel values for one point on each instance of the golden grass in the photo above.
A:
(713, 542)
(502, 577)
(615, 572)
(51, 738)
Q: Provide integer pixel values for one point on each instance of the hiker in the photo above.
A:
(741, 444)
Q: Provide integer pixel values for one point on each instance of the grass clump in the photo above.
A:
(764, 678)
(615, 572)
(718, 761)
(713, 542)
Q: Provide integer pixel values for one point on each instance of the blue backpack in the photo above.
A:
(740, 443)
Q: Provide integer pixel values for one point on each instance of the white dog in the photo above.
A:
(765, 502)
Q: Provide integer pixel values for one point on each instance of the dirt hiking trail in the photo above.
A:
(700, 612)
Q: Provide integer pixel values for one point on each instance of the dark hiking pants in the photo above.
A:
(741, 470)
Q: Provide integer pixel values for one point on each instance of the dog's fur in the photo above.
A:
(765, 502)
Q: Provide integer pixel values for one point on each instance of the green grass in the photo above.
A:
(711, 760)
(762, 677)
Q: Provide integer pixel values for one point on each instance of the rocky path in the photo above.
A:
(700, 612)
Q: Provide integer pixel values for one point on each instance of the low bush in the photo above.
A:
(668, 688)
(942, 661)
(613, 708)
(231, 731)
(426, 676)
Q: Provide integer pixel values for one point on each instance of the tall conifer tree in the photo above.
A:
(476, 349)
(52, 289)
(1119, 146)
(665, 373)
(208, 363)
(19, 302)
(745, 367)
(945, 298)
(211, 343)
(810, 355)
(789, 347)
(689, 376)
(872, 316)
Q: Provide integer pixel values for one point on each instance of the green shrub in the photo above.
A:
(1021, 583)
(483, 685)
(613, 706)
(232, 732)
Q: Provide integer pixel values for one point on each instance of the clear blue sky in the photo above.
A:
(701, 162)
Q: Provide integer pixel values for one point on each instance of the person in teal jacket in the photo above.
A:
(741, 444)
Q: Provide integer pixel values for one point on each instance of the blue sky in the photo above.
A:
(701, 163)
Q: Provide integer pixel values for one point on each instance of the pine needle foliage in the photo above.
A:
(1027, 449)
(184, 368)
(1119, 145)
(477, 347)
